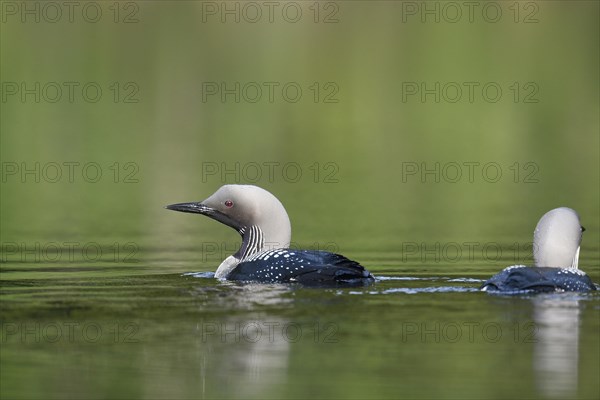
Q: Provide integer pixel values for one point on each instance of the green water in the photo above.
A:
(105, 294)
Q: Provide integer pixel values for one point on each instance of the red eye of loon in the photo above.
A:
(228, 203)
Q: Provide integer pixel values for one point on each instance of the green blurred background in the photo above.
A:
(370, 134)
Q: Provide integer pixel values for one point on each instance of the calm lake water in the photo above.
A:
(145, 328)
(424, 147)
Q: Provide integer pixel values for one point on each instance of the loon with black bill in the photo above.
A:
(265, 256)
(556, 244)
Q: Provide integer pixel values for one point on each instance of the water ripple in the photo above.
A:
(204, 275)
(410, 278)
(436, 289)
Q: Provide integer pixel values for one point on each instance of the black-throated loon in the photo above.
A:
(556, 243)
(264, 256)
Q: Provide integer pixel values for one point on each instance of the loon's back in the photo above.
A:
(307, 267)
(519, 278)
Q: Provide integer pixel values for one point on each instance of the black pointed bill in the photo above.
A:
(199, 208)
(196, 208)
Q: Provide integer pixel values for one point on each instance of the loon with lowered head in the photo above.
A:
(556, 244)
(265, 256)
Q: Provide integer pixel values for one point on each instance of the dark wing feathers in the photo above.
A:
(539, 279)
(306, 267)
(334, 268)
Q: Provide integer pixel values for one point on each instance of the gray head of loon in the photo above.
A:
(253, 212)
(557, 238)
